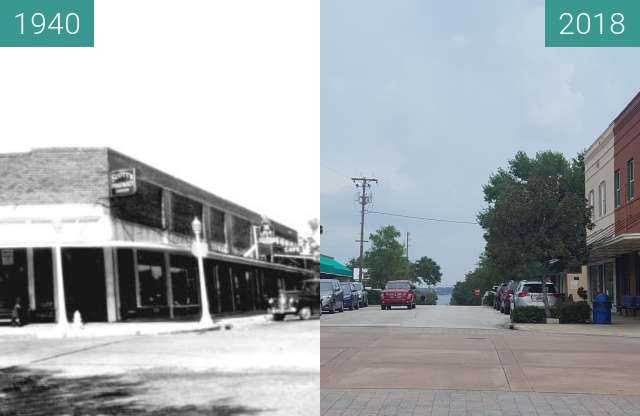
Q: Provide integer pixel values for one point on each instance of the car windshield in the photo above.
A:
(326, 286)
(310, 286)
(537, 288)
(397, 285)
(346, 286)
(358, 286)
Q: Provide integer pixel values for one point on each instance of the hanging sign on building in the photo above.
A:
(7, 257)
(123, 182)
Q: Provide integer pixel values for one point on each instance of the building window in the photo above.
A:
(216, 230)
(602, 199)
(152, 286)
(616, 185)
(591, 202)
(184, 282)
(630, 181)
(184, 210)
(144, 207)
(241, 233)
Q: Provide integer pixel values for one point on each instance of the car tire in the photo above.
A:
(278, 317)
(305, 313)
(332, 310)
(382, 307)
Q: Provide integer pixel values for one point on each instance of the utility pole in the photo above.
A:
(364, 199)
(408, 245)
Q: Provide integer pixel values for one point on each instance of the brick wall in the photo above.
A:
(54, 176)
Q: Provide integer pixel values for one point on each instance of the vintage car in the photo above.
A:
(304, 302)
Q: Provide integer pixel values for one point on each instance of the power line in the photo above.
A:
(422, 218)
(365, 198)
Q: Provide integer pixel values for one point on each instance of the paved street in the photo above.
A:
(423, 316)
(365, 370)
(265, 368)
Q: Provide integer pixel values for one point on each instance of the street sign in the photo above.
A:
(476, 291)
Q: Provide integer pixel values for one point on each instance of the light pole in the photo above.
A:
(63, 323)
(205, 320)
(545, 289)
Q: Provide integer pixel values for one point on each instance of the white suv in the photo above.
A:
(529, 293)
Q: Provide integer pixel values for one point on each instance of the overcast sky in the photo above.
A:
(431, 97)
(222, 94)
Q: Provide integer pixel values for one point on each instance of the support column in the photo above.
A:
(116, 274)
(233, 289)
(109, 276)
(61, 304)
(31, 281)
(167, 266)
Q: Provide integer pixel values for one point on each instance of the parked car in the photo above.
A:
(363, 296)
(331, 296)
(529, 293)
(303, 303)
(350, 295)
(497, 300)
(398, 293)
(507, 296)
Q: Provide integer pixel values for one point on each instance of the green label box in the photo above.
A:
(580, 23)
(65, 23)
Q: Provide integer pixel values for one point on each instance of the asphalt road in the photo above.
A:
(264, 368)
(371, 354)
(438, 316)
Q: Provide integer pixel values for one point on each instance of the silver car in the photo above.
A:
(529, 293)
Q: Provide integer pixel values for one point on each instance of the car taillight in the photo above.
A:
(557, 295)
(523, 294)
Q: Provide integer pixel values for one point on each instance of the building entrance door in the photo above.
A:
(84, 283)
(13, 280)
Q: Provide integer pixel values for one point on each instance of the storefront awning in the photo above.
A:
(329, 265)
(617, 246)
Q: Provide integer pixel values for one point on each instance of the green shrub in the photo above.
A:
(574, 313)
(374, 296)
(490, 299)
(528, 315)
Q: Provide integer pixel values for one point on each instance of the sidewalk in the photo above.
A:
(622, 326)
(115, 329)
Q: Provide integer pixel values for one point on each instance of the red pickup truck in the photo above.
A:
(398, 293)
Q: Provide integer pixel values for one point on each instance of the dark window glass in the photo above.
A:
(397, 286)
(151, 280)
(616, 180)
(184, 281)
(216, 226)
(184, 210)
(537, 288)
(144, 207)
(630, 180)
(241, 233)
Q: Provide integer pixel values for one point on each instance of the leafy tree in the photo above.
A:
(385, 260)
(537, 212)
(428, 270)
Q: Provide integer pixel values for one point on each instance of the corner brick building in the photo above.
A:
(127, 256)
(614, 242)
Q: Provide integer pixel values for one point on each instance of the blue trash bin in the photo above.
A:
(602, 309)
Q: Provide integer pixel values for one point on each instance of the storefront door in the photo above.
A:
(13, 279)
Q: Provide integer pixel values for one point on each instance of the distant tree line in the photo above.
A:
(386, 260)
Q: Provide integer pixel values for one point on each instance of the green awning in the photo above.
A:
(329, 265)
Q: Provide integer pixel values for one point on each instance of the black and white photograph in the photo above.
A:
(159, 214)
